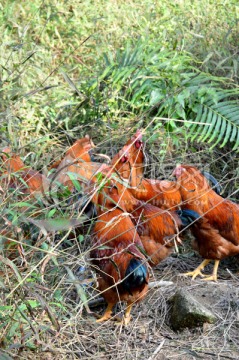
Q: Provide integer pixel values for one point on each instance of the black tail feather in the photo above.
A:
(187, 216)
(135, 276)
(216, 186)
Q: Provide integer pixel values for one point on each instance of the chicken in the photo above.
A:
(157, 228)
(163, 194)
(76, 166)
(78, 152)
(82, 173)
(72, 174)
(11, 163)
(117, 256)
(218, 235)
(14, 170)
(28, 184)
(129, 163)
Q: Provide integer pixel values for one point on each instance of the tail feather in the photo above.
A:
(135, 276)
(80, 201)
(216, 186)
(187, 216)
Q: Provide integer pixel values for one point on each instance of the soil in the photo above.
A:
(149, 335)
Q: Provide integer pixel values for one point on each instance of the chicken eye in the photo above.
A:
(138, 143)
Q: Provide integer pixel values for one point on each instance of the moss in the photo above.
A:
(188, 312)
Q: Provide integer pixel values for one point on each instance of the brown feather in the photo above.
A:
(217, 235)
(129, 163)
(115, 243)
(157, 227)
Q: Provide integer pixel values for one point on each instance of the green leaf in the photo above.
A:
(22, 204)
(51, 213)
(59, 224)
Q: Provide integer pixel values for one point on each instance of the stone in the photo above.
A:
(187, 312)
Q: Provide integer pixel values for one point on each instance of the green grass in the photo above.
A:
(41, 40)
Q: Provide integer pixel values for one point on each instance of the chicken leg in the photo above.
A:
(127, 317)
(213, 277)
(107, 314)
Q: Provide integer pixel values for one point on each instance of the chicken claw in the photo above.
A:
(107, 314)
(127, 317)
(197, 271)
(194, 273)
(210, 278)
(213, 277)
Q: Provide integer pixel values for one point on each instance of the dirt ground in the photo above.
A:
(149, 335)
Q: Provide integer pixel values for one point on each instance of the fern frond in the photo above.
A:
(222, 123)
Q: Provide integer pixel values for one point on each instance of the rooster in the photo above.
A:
(217, 236)
(157, 228)
(129, 163)
(118, 257)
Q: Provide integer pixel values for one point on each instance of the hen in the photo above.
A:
(76, 166)
(218, 235)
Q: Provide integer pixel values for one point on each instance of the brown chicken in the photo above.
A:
(129, 163)
(217, 236)
(14, 170)
(76, 165)
(117, 256)
(28, 184)
(157, 228)
(78, 152)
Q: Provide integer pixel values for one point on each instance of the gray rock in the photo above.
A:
(187, 312)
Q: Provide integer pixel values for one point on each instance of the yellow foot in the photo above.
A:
(213, 277)
(197, 271)
(125, 321)
(127, 317)
(194, 273)
(105, 317)
(210, 278)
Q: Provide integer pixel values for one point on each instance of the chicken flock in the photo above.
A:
(138, 221)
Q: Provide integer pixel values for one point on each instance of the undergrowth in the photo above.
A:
(103, 68)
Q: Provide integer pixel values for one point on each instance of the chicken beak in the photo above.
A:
(177, 171)
(92, 144)
(139, 135)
